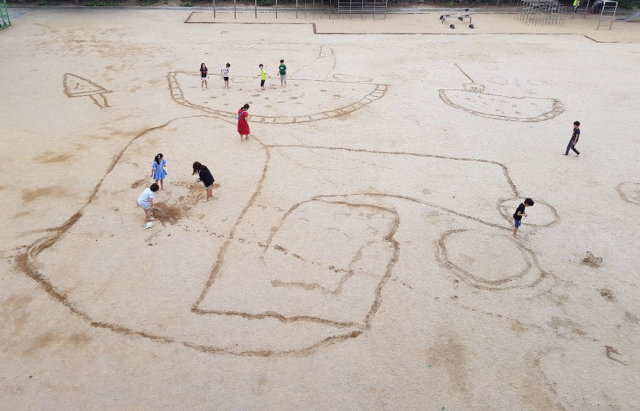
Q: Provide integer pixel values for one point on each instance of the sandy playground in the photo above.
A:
(357, 254)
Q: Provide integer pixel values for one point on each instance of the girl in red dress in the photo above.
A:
(243, 126)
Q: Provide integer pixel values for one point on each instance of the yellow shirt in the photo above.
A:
(263, 75)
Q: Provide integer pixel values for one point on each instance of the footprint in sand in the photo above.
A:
(255, 95)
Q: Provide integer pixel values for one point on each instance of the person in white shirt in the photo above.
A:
(225, 75)
(146, 200)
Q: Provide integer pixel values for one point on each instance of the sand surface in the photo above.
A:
(357, 254)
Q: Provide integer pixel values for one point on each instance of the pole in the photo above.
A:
(276, 9)
(234, 9)
(214, 9)
(296, 8)
(255, 8)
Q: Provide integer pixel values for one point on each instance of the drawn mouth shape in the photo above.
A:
(475, 101)
(314, 100)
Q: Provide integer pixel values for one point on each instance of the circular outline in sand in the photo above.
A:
(481, 283)
(509, 217)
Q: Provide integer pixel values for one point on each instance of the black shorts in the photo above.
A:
(226, 78)
(262, 83)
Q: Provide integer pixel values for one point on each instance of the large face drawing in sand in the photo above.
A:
(298, 263)
(474, 100)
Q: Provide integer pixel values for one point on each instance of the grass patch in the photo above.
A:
(48, 3)
(265, 3)
(100, 4)
(148, 2)
(186, 4)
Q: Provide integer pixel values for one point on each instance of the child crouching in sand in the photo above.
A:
(205, 176)
(146, 200)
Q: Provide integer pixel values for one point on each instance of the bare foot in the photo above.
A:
(205, 200)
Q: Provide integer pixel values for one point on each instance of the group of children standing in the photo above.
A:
(158, 173)
(243, 125)
(204, 75)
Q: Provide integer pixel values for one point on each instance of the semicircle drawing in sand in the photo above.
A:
(260, 279)
(312, 97)
(474, 100)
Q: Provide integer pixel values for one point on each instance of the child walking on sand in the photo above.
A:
(205, 176)
(158, 173)
(225, 75)
(282, 70)
(263, 77)
(243, 126)
(574, 139)
(145, 200)
(204, 76)
(517, 216)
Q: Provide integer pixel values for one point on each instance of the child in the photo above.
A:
(146, 200)
(158, 172)
(574, 139)
(243, 126)
(263, 77)
(204, 77)
(517, 216)
(283, 74)
(225, 75)
(205, 176)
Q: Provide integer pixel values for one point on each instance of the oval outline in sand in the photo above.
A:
(556, 109)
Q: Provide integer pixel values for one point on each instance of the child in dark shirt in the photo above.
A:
(574, 139)
(517, 216)
(204, 175)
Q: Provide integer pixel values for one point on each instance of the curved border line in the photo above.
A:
(555, 111)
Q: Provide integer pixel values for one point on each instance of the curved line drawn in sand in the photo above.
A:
(499, 80)
(474, 100)
(547, 218)
(319, 68)
(378, 91)
(368, 268)
(629, 192)
(316, 71)
(76, 86)
(529, 275)
(347, 78)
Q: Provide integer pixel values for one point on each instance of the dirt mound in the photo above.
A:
(592, 261)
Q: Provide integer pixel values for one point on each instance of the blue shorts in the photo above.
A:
(145, 206)
(518, 222)
(208, 188)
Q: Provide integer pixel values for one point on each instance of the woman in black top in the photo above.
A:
(203, 75)
(205, 176)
